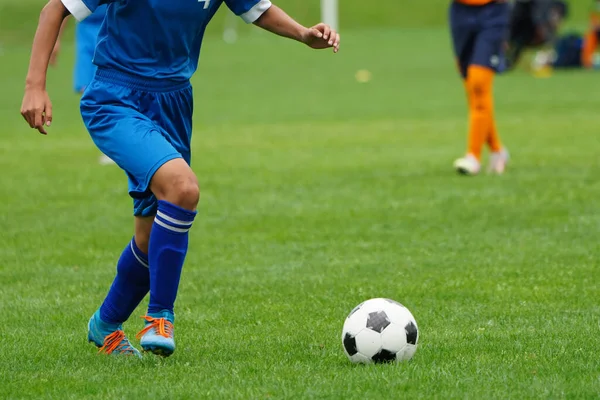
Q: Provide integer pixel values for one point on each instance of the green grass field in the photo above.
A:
(318, 193)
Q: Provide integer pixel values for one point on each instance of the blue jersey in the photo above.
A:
(157, 39)
(96, 18)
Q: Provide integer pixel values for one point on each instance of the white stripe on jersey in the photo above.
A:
(255, 12)
(77, 8)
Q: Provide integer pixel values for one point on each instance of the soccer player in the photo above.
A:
(478, 30)
(86, 34)
(138, 110)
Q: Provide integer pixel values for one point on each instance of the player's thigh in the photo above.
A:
(462, 29)
(125, 134)
(85, 45)
(173, 114)
(489, 48)
(490, 43)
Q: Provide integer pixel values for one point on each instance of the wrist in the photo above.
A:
(33, 84)
(303, 35)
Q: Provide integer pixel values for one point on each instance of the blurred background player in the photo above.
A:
(573, 49)
(86, 35)
(533, 24)
(479, 29)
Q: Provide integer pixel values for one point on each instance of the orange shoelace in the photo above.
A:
(162, 326)
(116, 342)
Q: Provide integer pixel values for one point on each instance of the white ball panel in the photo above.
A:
(360, 359)
(374, 305)
(393, 338)
(407, 353)
(398, 314)
(355, 323)
(368, 342)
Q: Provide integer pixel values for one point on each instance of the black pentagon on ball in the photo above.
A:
(411, 333)
(350, 344)
(378, 321)
(384, 356)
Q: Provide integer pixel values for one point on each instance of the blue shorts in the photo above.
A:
(479, 34)
(140, 124)
(86, 36)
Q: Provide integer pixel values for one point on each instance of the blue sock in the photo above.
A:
(129, 287)
(168, 247)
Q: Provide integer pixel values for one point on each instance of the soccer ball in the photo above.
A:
(380, 330)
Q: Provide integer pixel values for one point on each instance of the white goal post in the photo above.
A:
(329, 13)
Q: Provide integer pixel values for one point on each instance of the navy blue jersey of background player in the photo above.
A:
(138, 108)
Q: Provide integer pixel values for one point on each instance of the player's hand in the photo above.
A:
(322, 37)
(55, 52)
(37, 109)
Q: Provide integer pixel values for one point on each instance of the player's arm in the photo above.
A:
(320, 36)
(36, 107)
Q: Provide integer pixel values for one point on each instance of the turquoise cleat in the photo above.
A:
(109, 338)
(157, 335)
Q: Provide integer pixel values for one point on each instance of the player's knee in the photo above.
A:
(176, 183)
(477, 87)
(184, 192)
(188, 194)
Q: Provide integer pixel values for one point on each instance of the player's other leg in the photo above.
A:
(130, 286)
(463, 27)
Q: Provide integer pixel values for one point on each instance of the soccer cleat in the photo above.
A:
(498, 161)
(109, 338)
(468, 165)
(157, 335)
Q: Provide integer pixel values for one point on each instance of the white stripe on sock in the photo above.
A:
(145, 264)
(169, 227)
(173, 220)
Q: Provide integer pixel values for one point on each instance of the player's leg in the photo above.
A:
(132, 282)
(176, 189)
(177, 193)
(488, 60)
(464, 29)
(128, 289)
